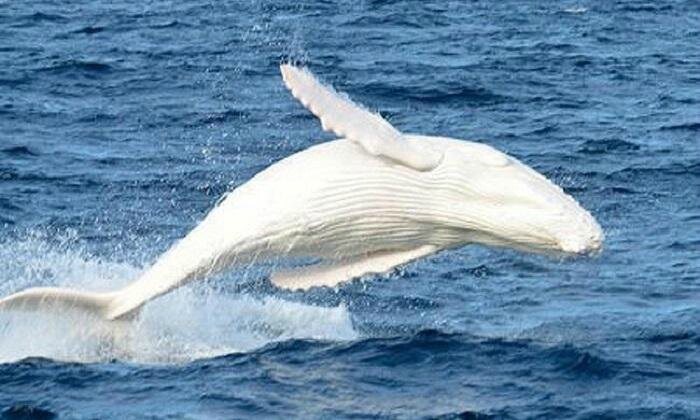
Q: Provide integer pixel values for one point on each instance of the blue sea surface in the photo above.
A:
(122, 123)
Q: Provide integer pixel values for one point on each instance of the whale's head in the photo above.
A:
(497, 200)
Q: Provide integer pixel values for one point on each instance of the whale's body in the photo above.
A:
(364, 203)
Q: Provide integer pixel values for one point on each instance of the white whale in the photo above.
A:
(365, 203)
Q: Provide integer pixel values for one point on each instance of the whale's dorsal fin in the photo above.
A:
(347, 119)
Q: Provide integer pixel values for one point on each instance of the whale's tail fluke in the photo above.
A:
(192, 258)
(37, 299)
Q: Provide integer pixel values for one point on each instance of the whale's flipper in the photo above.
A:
(333, 274)
(54, 298)
(347, 119)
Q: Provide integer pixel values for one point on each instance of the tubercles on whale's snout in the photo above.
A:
(580, 234)
(584, 243)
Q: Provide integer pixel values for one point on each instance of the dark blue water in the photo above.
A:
(122, 123)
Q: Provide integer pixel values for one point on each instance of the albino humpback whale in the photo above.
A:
(365, 203)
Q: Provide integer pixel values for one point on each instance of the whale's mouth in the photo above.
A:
(568, 231)
(589, 244)
(573, 246)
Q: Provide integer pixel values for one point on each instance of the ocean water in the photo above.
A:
(122, 123)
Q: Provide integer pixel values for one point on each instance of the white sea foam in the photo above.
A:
(576, 9)
(188, 324)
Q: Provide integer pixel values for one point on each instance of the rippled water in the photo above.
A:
(121, 124)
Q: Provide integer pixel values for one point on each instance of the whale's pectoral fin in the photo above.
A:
(58, 299)
(325, 274)
(347, 119)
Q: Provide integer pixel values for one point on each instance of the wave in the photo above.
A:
(690, 126)
(596, 147)
(89, 30)
(674, 168)
(25, 411)
(45, 17)
(645, 7)
(438, 93)
(85, 67)
(398, 18)
(469, 415)
(438, 351)
(13, 82)
(19, 151)
(581, 363)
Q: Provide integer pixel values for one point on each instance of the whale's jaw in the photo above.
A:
(496, 200)
(568, 231)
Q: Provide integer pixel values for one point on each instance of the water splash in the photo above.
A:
(191, 323)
